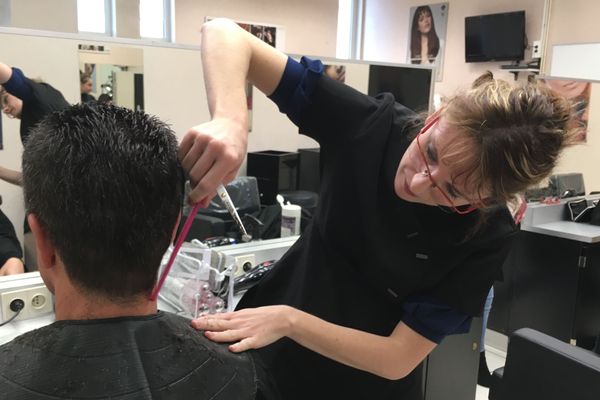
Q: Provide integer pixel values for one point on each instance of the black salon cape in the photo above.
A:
(366, 250)
(152, 357)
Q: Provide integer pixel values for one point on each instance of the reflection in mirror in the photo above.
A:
(112, 75)
(578, 92)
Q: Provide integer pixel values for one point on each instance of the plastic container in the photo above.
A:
(290, 218)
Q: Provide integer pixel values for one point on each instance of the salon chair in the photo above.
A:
(539, 366)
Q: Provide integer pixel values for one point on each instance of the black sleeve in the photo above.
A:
(466, 286)
(338, 113)
(325, 109)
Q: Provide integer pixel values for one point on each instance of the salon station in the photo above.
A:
(541, 337)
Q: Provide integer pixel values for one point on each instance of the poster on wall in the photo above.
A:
(427, 35)
(272, 35)
(578, 92)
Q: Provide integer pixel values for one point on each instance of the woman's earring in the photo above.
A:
(425, 173)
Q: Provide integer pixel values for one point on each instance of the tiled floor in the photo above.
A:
(495, 359)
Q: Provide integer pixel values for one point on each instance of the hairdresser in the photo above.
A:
(29, 101)
(412, 226)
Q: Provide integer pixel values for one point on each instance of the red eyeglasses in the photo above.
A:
(462, 210)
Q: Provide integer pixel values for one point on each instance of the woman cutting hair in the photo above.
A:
(411, 229)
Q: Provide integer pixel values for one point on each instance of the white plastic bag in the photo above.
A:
(200, 281)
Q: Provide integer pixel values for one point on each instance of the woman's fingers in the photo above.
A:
(216, 322)
(244, 344)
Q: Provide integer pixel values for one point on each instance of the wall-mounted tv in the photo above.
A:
(495, 37)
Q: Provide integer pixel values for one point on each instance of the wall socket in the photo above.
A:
(244, 263)
(536, 49)
(38, 301)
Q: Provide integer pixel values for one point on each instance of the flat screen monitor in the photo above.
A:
(495, 37)
(410, 86)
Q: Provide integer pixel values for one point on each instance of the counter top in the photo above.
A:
(567, 230)
(552, 220)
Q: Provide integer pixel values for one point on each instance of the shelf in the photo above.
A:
(515, 71)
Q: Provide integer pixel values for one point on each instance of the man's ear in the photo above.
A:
(46, 253)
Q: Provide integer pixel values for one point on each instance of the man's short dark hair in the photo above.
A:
(107, 187)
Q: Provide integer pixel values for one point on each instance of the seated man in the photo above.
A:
(103, 191)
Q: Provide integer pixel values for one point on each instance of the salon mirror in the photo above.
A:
(112, 74)
(578, 92)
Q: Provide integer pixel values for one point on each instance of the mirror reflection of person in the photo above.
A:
(578, 93)
(86, 87)
(29, 101)
(411, 229)
(424, 41)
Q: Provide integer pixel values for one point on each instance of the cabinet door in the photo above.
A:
(587, 317)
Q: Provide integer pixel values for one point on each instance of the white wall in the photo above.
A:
(311, 25)
(128, 18)
(49, 15)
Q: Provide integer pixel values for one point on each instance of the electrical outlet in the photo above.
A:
(244, 263)
(536, 49)
(38, 301)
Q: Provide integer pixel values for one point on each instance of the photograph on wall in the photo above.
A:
(578, 92)
(335, 72)
(93, 48)
(427, 36)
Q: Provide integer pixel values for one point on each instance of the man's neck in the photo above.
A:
(73, 304)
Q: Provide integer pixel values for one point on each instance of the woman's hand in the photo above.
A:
(12, 266)
(250, 328)
(211, 154)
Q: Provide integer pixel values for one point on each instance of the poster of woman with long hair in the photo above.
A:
(427, 35)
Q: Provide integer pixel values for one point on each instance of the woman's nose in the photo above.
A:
(420, 182)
